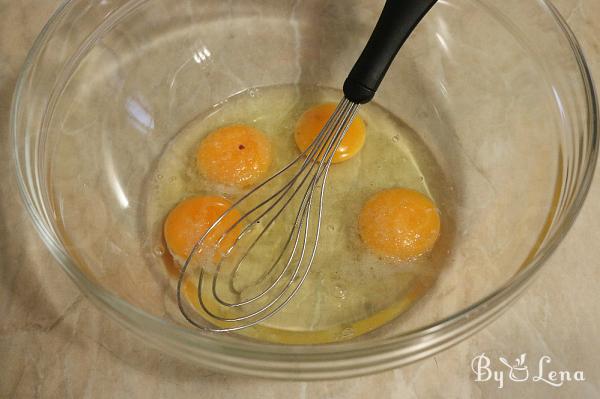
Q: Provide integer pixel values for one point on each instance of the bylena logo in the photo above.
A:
(519, 371)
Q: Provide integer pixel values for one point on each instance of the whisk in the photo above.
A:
(292, 198)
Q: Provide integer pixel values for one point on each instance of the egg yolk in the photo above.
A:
(236, 155)
(187, 222)
(313, 120)
(399, 223)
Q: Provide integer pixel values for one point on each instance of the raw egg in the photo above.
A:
(235, 155)
(399, 223)
(313, 120)
(187, 222)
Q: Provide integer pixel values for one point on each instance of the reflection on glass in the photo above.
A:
(442, 42)
(141, 118)
(201, 55)
(116, 185)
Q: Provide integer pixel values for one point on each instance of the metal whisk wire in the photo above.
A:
(312, 167)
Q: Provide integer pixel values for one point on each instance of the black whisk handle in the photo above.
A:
(395, 24)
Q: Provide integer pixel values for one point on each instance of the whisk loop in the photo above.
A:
(302, 196)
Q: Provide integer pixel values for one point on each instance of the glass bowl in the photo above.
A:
(498, 91)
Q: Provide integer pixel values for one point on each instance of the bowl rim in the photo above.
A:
(305, 361)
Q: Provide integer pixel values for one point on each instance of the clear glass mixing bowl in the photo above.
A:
(499, 91)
